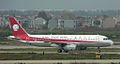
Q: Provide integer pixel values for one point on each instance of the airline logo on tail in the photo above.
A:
(17, 30)
(15, 27)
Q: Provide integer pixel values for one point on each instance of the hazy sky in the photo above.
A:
(59, 4)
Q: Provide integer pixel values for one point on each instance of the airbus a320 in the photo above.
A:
(65, 43)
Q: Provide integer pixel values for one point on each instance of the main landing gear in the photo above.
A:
(59, 50)
(62, 50)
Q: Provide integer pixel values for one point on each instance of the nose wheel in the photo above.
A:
(99, 50)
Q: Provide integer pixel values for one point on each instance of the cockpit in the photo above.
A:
(106, 39)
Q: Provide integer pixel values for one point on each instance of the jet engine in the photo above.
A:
(73, 47)
(69, 47)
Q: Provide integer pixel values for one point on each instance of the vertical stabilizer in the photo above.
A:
(17, 30)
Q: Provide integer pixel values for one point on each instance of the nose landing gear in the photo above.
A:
(99, 50)
(98, 55)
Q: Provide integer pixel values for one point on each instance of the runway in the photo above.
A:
(59, 61)
(13, 47)
(54, 52)
(48, 52)
(55, 61)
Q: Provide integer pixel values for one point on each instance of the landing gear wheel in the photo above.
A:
(66, 51)
(59, 50)
(99, 50)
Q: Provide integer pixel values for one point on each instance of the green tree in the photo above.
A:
(44, 15)
(97, 22)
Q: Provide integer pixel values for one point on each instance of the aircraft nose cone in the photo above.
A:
(111, 42)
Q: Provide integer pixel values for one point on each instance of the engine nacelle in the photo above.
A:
(70, 47)
(54, 45)
(73, 47)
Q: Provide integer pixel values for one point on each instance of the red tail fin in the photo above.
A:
(17, 30)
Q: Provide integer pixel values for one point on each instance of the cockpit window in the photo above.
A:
(105, 38)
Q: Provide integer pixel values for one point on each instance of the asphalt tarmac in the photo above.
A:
(55, 61)
(59, 61)
(14, 47)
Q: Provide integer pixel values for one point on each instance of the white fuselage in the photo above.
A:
(80, 40)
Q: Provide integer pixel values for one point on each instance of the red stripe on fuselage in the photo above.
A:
(56, 40)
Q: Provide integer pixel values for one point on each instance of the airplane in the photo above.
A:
(65, 43)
